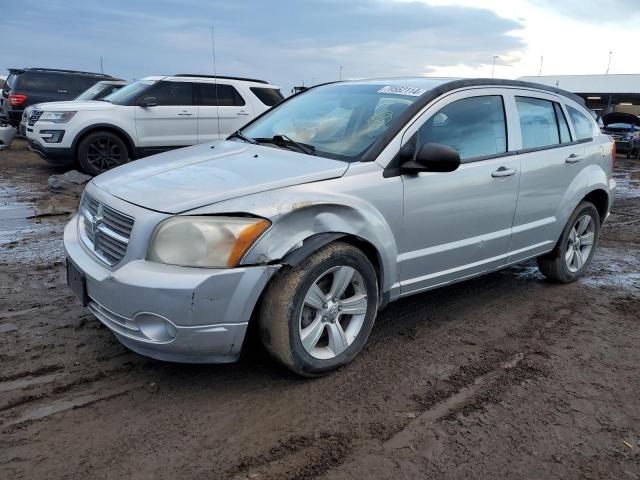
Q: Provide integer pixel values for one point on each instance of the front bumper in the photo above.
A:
(59, 156)
(171, 313)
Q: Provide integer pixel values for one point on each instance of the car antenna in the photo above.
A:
(215, 77)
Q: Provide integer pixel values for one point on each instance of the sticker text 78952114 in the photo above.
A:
(400, 90)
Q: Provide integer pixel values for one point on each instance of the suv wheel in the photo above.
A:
(101, 151)
(574, 251)
(317, 316)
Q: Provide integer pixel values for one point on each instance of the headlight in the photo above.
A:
(209, 242)
(57, 117)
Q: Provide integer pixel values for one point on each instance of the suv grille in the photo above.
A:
(35, 116)
(105, 230)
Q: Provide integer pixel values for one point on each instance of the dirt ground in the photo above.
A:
(505, 376)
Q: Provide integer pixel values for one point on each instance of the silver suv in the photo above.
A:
(331, 205)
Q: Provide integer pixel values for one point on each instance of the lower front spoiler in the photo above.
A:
(62, 157)
(184, 345)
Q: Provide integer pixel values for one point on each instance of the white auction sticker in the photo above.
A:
(398, 90)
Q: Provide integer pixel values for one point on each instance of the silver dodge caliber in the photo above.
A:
(329, 206)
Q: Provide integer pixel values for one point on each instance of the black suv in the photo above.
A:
(27, 86)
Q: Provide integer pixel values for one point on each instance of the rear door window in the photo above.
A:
(39, 82)
(268, 96)
(538, 122)
(583, 126)
(475, 127)
(172, 93)
(226, 95)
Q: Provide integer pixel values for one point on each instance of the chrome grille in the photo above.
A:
(104, 230)
(35, 116)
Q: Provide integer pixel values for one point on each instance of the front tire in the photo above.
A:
(574, 251)
(101, 151)
(317, 316)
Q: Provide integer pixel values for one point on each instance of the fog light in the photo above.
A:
(155, 327)
(52, 136)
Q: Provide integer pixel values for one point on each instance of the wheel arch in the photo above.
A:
(316, 242)
(600, 199)
(124, 136)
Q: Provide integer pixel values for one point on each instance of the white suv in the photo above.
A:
(149, 116)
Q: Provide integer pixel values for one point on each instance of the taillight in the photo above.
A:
(613, 154)
(16, 99)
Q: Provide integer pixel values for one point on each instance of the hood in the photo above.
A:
(75, 106)
(193, 177)
(620, 117)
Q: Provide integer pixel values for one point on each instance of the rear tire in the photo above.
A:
(304, 322)
(101, 151)
(574, 251)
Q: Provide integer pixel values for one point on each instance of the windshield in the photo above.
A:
(92, 93)
(125, 95)
(338, 120)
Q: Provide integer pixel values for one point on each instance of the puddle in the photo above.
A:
(16, 220)
(628, 179)
(31, 224)
(614, 269)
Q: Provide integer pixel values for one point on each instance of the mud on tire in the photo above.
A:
(286, 307)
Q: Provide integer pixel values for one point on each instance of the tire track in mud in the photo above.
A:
(518, 356)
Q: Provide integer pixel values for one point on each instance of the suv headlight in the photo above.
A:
(208, 242)
(57, 117)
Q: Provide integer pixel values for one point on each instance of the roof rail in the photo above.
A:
(198, 75)
(59, 71)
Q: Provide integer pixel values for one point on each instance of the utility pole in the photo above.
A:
(341, 67)
(609, 64)
(493, 67)
(541, 63)
(101, 70)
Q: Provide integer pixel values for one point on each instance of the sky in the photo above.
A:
(294, 42)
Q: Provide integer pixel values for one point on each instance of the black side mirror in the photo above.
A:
(148, 102)
(433, 157)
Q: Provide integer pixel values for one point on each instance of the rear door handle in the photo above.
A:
(242, 114)
(185, 114)
(62, 91)
(573, 158)
(503, 172)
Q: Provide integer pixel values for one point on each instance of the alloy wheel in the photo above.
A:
(334, 310)
(103, 154)
(580, 243)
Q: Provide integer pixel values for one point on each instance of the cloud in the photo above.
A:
(286, 42)
(595, 11)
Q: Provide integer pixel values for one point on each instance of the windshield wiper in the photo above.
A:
(285, 141)
(242, 136)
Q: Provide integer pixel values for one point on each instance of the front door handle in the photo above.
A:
(573, 158)
(503, 172)
(242, 114)
(185, 114)
(62, 91)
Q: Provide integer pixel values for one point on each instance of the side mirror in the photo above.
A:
(148, 102)
(433, 157)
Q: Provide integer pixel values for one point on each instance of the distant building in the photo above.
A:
(299, 89)
(602, 93)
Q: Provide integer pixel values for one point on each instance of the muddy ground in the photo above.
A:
(505, 376)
